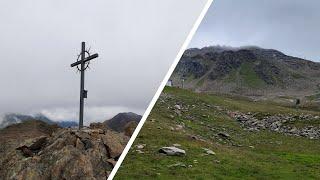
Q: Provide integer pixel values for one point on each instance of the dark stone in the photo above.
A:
(39, 144)
(25, 151)
(87, 143)
(224, 135)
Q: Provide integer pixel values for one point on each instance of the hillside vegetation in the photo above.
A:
(225, 137)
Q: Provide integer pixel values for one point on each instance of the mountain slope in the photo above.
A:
(219, 145)
(119, 122)
(16, 133)
(246, 71)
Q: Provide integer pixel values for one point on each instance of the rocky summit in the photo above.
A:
(36, 150)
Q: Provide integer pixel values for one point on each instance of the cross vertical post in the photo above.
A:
(83, 62)
(83, 48)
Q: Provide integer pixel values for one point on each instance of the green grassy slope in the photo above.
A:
(246, 155)
(249, 76)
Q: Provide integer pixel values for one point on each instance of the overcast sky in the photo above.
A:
(291, 26)
(137, 41)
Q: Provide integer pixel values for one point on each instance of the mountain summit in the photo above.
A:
(121, 120)
(246, 70)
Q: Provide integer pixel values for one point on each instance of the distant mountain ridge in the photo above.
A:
(119, 122)
(14, 118)
(248, 70)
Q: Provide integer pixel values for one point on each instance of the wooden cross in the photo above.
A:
(82, 62)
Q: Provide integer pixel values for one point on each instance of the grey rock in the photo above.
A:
(224, 135)
(208, 151)
(172, 151)
(177, 107)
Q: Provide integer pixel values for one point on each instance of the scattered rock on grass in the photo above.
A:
(224, 135)
(178, 127)
(179, 164)
(172, 151)
(140, 146)
(139, 151)
(208, 151)
(177, 107)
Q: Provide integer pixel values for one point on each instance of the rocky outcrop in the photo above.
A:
(280, 123)
(66, 153)
(298, 124)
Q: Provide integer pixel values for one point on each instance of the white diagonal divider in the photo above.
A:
(160, 89)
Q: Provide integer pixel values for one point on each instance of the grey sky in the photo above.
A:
(136, 40)
(291, 26)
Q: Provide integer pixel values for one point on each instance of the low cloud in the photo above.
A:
(291, 26)
(137, 42)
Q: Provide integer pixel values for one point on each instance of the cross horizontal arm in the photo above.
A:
(85, 60)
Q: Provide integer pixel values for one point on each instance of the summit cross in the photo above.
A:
(83, 62)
